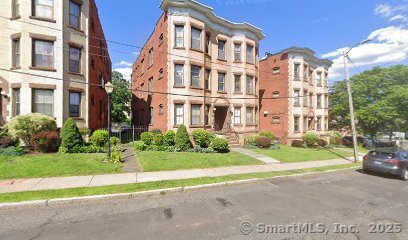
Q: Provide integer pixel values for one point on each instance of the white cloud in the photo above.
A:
(384, 10)
(126, 72)
(136, 53)
(124, 63)
(393, 13)
(389, 44)
(399, 18)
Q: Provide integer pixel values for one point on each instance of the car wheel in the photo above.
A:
(404, 174)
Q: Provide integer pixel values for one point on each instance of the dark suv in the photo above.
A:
(364, 141)
(389, 162)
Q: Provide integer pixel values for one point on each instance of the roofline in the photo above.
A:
(209, 12)
(301, 50)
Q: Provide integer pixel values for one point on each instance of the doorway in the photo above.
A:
(220, 118)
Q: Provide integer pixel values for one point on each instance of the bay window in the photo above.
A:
(74, 104)
(196, 39)
(179, 36)
(43, 54)
(74, 14)
(74, 60)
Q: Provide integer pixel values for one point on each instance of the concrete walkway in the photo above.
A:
(130, 164)
(253, 154)
(18, 185)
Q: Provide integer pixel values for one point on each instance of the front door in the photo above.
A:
(220, 116)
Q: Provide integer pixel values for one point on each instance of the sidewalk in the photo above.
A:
(19, 185)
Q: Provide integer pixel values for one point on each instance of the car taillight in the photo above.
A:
(394, 162)
(366, 157)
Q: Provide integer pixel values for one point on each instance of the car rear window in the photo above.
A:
(373, 154)
(384, 155)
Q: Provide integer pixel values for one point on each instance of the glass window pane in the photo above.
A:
(195, 76)
(178, 78)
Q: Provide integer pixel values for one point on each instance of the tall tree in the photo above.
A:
(121, 98)
(380, 100)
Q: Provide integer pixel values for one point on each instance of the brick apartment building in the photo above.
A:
(208, 64)
(295, 73)
(53, 61)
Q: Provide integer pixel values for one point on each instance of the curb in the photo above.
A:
(150, 193)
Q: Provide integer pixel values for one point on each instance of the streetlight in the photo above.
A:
(350, 97)
(109, 89)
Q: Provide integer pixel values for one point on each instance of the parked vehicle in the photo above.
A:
(385, 161)
(364, 141)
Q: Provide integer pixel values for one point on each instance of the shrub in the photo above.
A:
(45, 142)
(182, 139)
(90, 149)
(298, 143)
(12, 151)
(322, 142)
(310, 139)
(158, 140)
(161, 148)
(147, 138)
(335, 137)
(140, 146)
(116, 155)
(202, 138)
(25, 126)
(169, 138)
(268, 135)
(263, 142)
(99, 138)
(115, 141)
(251, 140)
(70, 136)
(156, 131)
(198, 149)
(220, 145)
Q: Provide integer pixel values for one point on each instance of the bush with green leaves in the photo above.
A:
(311, 139)
(116, 155)
(140, 146)
(70, 136)
(90, 149)
(251, 140)
(158, 140)
(12, 151)
(298, 144)
(268, 135)
(198, 149)
(263, 142)
(147, 137)
(161, 148)
(335, 137)
(115, 141)
(99, 138)
(220, 145)
(322, 142)
(156, 131)
(45, 142)
(183, 142)
(202, 138)
(25, 126)
(169, 138)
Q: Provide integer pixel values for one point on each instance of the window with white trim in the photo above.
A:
(195, 114)
(237, 115)
(178, 75)
(43, 101)
(178, 114)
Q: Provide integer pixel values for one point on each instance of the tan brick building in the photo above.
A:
(208, 64)
(52, 61)
(294, 93)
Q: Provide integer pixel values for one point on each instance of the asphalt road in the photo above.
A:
(356, 201)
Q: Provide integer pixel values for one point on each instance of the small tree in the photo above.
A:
(169, 138)
(201, 138)
(100, 138)
(183, 142)
(71, 137)
(310, 139)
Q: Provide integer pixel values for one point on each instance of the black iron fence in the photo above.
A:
(128, 134)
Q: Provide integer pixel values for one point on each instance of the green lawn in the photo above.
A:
(164, 161)
(53, 165)
(290, 154)
(137, 187)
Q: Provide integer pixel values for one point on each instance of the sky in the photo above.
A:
(328, 27)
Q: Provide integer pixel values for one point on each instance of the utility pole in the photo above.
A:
(351, 106)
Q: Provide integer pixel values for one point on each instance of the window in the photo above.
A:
(195, 76)
(319, 101)
(161, 110)
(207, 115)
(276, 120)
(237, 52)
(305, 123)
(276, 70)
(296, 71)
(196, 39)
(161, 39)
(221, 49)
(16, 102)
(43, 101)
(237, 83)
(319, 79)
(207, 43)
(249, 85)
(16, 9)
(305, 73)
(151, 86)
(74, 14)
(16, 53)
(178, 114)
(178, 75)
(326, 101)
(296, 98)
(151, 113)
(74, 104)
(296, 124)
(221, 82)
(74, 60)
(179, 42)
(151, 57)
(304, 98)
(43, 54)
(207, 79)
(276, 94)
(311, 100)
(195, 114)
(250, 54)
(43, 8)
(319, 123)
(237, 116)
(249, 115)
(310, 76)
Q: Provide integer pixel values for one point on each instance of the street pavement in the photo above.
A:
(356, 201)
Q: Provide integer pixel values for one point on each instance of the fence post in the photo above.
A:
(133, 135)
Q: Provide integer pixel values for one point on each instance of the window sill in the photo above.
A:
(196, 126)
(237, 61)
(77, 118)
(296, 131)
(179, 86)
(237, 125)
(43, 19)
(251, 94)
(76, 74)
(43, 69)
(15, 68)
(222, 60)
(208, 90)
(179, 48)
(238, 93)
(250, 125)
(222, 92)
(296, 105)
(250, 63)
(196, 50)
(15, 18)
(75, 28)
(196, 88)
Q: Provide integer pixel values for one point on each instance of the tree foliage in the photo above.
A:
(380, 100)
(121, 98)
(71, 138)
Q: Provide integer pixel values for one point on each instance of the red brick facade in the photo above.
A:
(100, 67)
(157, 73)
(274, 84)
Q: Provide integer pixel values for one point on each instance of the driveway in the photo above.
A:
(346, 200)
